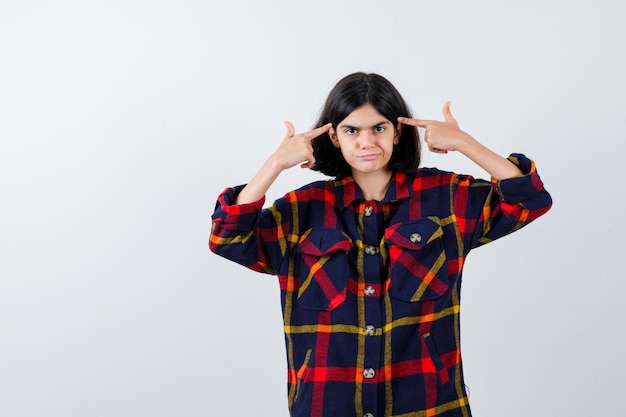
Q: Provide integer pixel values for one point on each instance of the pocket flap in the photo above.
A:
(413, 235)
(321, 241)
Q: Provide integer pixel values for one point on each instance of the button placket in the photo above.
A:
(371, 238)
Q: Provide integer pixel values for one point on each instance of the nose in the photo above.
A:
(366, 139)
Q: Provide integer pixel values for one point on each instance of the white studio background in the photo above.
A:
(121, 121)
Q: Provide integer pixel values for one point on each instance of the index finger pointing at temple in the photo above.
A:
(415, 122)
(312, 134)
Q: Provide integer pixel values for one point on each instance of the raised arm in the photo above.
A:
(294, 149)
(445, 136)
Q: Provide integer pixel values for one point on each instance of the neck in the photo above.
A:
(373, 185)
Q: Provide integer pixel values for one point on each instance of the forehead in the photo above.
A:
(364, 115)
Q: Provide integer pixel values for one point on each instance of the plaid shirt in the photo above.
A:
(370, 290)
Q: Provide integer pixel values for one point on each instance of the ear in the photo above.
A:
(396, 138)
(333, 137)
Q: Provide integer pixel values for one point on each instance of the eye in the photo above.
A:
(379, 129)
(351, 131)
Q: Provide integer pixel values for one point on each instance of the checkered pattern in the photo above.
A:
(370, 290)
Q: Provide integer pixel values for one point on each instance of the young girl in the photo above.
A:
(369, 264)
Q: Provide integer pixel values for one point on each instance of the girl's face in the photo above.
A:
(366, 140)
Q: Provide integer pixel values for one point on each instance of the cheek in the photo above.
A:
(345, 144)
(345, 151)
(348, 153)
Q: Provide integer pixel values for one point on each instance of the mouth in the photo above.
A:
(369, 157)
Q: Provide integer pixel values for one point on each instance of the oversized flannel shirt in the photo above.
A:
(370, 289)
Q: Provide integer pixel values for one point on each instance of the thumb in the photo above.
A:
(447, 114)
(290, 129)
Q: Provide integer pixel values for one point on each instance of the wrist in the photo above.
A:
(273, 165)
(468, 145)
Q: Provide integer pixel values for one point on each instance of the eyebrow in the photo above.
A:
(345, 126)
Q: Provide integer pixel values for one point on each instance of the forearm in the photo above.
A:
(260, 183)
(497, 166)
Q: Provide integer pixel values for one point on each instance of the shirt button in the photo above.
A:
(416, 238)
(370, 250)
(369, 210)
(368, 415)
(369, 290)
(369, 373)
(370, 330)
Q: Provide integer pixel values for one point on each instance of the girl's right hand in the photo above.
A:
(296, 148)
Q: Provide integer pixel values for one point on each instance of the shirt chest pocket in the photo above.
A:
(321, 264)
(418, 260)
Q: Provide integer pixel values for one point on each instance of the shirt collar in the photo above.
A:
(347, 191)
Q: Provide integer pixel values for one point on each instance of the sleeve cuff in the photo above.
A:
(236, 216)
(523, 187)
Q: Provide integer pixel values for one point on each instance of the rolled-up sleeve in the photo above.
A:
(504, 207)
(526, 189)
(238, 231)
(231, 216)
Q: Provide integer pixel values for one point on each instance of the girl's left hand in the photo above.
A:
(440, 137)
